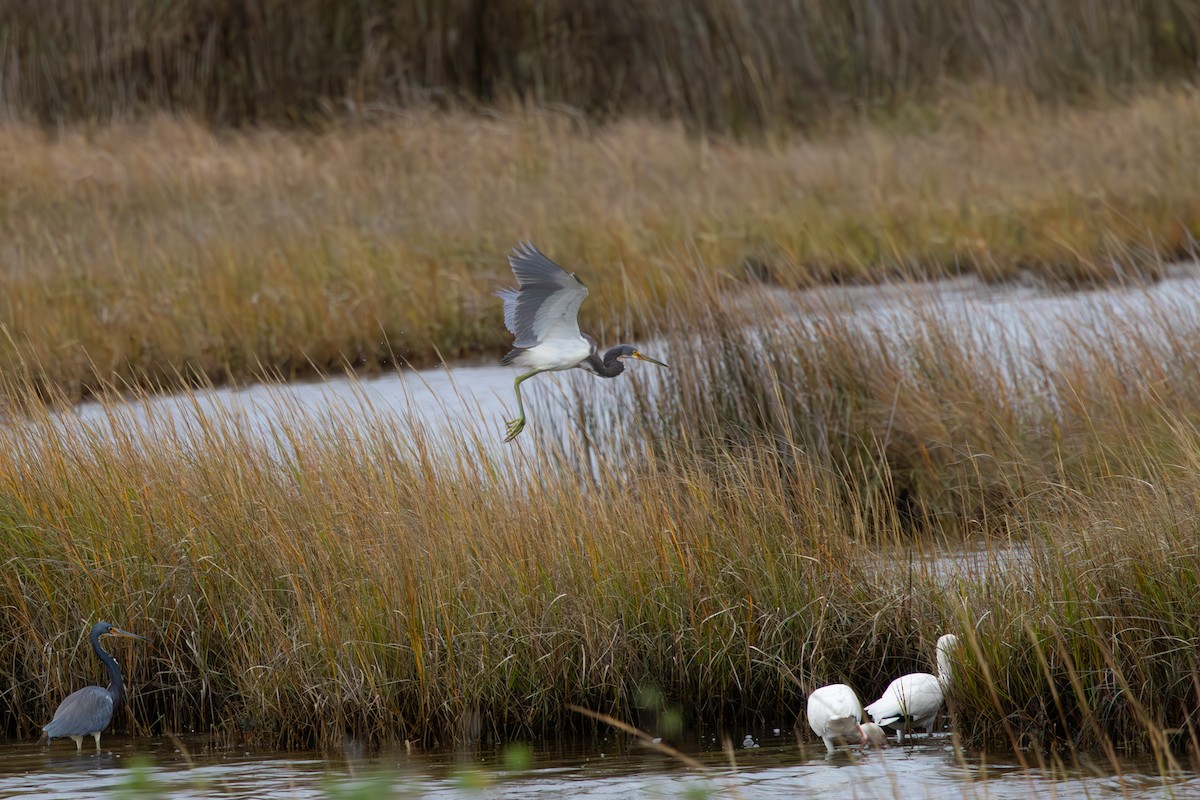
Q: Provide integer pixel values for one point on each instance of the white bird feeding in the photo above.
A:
(914, 700)
(835, 714)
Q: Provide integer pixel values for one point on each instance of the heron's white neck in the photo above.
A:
(945, 646)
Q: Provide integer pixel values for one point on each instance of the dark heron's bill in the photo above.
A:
(644, 357)
(120, 632)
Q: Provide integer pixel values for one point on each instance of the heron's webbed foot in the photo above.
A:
(514, 427)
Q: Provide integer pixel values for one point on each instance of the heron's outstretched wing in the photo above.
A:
(546, 306)
(85, 711)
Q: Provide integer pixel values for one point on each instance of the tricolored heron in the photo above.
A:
(89, 710)
(542, 314)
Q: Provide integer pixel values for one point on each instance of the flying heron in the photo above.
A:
(541, 314)
(90, 709)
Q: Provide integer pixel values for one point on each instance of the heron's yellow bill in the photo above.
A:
(644, 357)
(120, 632)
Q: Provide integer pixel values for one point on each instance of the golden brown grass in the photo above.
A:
(358, 588)
(741, 546)
(141, 252)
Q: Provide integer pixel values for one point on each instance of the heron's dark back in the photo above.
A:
(88, 710)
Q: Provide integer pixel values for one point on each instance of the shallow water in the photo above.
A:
(777, 768)
(474, 400)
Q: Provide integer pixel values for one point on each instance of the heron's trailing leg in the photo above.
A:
(78, 742)
(515, 426)
(96, 736)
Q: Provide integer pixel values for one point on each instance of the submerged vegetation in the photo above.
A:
(145, 252)
(760, 528)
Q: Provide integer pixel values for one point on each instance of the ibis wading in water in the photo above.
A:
(88, 711)
(914, 700)
(541, 314)
(835, 714)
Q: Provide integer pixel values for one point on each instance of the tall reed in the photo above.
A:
(716, 64)
(1072, 462)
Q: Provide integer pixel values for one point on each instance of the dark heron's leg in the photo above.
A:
(517, 425)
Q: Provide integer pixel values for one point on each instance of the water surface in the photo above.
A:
(776, 767)
(474, 400)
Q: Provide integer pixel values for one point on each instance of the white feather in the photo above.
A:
(834, 713)
(914, 700)
(556, 354)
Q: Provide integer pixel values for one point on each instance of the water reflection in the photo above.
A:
(610, 768)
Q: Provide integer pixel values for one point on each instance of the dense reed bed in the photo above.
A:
(360, 588)
(725, 65)
(1081, 448)
(144, 252)
(758, 527)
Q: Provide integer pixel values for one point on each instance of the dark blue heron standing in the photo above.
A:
(89, 710)
(542, 317)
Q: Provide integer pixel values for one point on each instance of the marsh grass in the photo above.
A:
(151, 252)
(727, 66)
(1079, 454)
(410, 605)
(757, 528)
